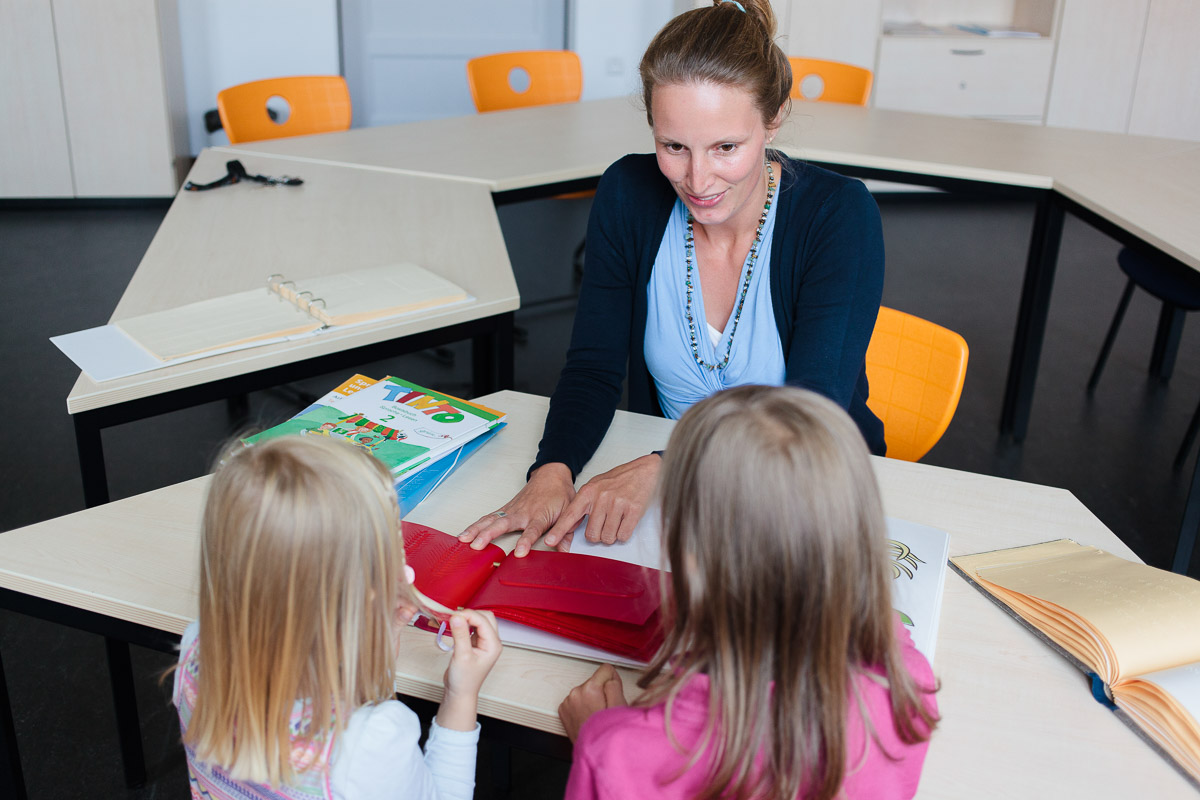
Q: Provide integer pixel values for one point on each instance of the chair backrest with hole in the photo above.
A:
(314, 104)
(916, 370)
(830, 81)
(524, 78)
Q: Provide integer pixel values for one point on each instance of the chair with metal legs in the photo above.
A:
(1177, 286)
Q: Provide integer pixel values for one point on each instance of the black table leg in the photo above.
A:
(492, 356)
(91, 460)
(1031, 319)
(12, 780)
(505, 351)
(129, 730)
(1189, 526)
(1166, 341)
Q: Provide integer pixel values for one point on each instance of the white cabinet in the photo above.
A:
(1166, 100)
(34, 159)
(1096, 67)
(1125, 66)
(94, 95)
(969, 76)
(843, 30)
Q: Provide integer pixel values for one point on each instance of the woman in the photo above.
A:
(716, 262)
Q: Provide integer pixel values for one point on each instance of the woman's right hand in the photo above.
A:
(534, 510)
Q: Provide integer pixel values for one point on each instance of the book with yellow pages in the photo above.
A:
(279, 310)
(1132, 628)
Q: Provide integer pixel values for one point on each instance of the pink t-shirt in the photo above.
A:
(624, 752)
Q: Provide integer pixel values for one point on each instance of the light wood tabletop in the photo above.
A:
(231, 239)
(1018, 720)
(529, 147)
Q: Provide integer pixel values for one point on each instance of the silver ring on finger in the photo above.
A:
(499, 513)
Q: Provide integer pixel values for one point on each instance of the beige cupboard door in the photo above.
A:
(1096, 67)
(34, 159)
(1166, 101)
(845, 30)
(114, 86)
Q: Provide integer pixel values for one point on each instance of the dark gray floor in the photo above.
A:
(957, 262)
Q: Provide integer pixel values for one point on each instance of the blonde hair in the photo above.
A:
(774, 530)
(299, 574)
(725, 45)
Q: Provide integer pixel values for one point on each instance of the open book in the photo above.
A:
(1133, 629)
(605, 604)
(918, 554)
(281, 310)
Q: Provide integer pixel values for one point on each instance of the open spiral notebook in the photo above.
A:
(282, 310)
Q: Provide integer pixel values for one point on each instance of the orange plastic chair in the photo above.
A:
(916, 371)
(555, 76)
(842, 83)
(318, 104)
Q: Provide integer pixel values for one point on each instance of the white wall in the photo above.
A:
(226, 42)
(610, 38)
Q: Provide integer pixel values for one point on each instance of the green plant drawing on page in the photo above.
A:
(904, 561)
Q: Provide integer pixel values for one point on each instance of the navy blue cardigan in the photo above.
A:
(826, 283)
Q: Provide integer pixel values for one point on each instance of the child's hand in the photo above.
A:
(473, 658)
(602, 690)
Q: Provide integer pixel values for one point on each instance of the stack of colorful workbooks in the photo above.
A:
(419, 434)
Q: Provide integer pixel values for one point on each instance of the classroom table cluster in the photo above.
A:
(1018, 720)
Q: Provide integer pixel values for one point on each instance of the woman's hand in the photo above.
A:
(613, 503)
(602, 690)
(534, 510)
(473, 658)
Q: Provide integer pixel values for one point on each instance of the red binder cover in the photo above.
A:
(603, 603)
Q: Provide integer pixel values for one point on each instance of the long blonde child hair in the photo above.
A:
(774, 531)
(300, 571)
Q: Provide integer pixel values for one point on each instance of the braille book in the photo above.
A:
(1134, 630)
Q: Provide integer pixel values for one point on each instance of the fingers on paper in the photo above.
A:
(481, 532)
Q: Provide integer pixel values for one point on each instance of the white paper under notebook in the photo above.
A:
(279, 311)
(918, 554)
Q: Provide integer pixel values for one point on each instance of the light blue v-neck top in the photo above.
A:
(757, 353)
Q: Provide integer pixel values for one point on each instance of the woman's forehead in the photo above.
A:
(701, 110)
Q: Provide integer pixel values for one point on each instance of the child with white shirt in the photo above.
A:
(285, 685)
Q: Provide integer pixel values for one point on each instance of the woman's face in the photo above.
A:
(710, 141)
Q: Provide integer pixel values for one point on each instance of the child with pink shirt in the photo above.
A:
(785, 673)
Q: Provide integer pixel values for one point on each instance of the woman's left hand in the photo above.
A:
(602, 690)
(613, 502)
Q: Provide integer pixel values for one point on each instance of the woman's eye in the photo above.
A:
(674, 147)
(728, 147)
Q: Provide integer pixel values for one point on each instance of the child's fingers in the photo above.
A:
(614, 691)
(487, 637)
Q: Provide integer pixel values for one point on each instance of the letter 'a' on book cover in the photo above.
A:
(1132, 628)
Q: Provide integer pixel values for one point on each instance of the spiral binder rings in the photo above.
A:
(284, 309)
(290, 308)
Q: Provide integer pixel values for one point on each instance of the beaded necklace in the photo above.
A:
(689, 251)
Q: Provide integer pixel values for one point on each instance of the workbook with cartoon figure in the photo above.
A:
(406, 426)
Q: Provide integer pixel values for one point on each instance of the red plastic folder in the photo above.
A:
(597, 601)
